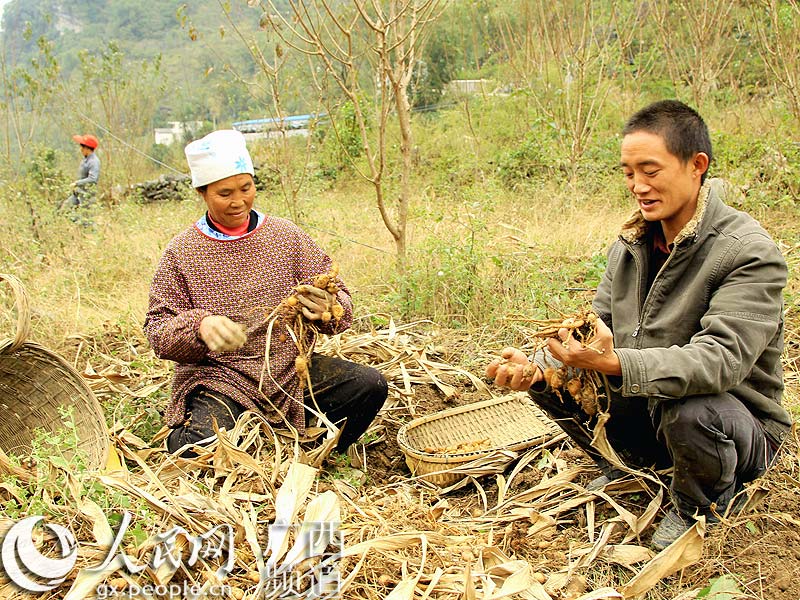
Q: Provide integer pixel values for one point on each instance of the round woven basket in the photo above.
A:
(512, 422)
(34, 384)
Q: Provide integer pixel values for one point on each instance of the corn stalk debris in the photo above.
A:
(405, 539)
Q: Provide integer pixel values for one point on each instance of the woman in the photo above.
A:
(214, 287)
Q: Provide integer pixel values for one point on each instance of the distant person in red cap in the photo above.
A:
(83, 189)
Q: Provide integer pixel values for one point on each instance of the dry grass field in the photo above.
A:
(476, 262)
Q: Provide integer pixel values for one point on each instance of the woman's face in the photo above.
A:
(229, 200)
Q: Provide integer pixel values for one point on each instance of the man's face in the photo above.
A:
(229, 200)
(665, 188)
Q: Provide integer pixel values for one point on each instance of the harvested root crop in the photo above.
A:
(290, 321)
(582, 326)
(462, 447)
(527, 370)
(583, 386)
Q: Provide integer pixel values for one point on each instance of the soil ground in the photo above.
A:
(759, 547)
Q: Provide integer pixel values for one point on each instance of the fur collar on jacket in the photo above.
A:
(635, 227)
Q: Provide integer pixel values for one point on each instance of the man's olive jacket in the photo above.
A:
(712, 320)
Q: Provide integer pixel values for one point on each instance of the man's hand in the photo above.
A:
(315, 302)
(514, 370)
(221, 334)
(598, 354)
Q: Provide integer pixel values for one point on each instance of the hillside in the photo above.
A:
(203, 50)
(143, 31)
(474, 217)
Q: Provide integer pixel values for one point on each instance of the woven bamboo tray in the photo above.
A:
(34, 384)
(511, 422)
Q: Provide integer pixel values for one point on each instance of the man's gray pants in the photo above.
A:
(714, 442)
(78, 204)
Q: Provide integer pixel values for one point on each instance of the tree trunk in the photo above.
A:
(406, 149)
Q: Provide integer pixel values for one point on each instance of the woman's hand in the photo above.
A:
(514, 370)
(315, 302)
(221, 334)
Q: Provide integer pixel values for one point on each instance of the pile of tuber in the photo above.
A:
(462, 447)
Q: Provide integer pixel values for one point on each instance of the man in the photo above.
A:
(691, 329)
(83, 189)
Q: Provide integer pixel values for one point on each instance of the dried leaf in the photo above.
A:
(491, 557)
(248, 522)
(438, 509)
(501, 488)
(85, 584)
(648, 516)
(6, 466)
(536, 591)
(601, 444)
(100, 528)
(587, 559)
(684, 551)
(228, 457)
(601, 594)
(406, 588)
(512, 578)
(322, 509)
(291, 497)
(548, 485)
(627, 555)
(400, 541)
(469, 585)
(114, 463)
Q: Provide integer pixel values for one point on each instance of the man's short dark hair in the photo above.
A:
(683, 129)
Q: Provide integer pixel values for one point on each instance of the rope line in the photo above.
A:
(155, 160)
(344, 238)
(124, 143)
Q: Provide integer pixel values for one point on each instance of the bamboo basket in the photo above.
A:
(512, 422)
(34, 384)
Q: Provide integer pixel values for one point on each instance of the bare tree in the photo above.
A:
(777, 25)
(638, 56)
(267, 88)
(365, 41)
(698, 39)
(566, 55)
(119, 96)
(26, 94)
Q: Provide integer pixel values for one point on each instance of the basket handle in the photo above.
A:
(23, 314)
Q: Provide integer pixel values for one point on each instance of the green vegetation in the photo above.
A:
(515, 187)
(725, 587)
(58, 477)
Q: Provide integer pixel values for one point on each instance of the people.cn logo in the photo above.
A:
(30, 569)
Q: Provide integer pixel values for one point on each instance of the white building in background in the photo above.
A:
(176, 131)
(469, 86)
(297, 125)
